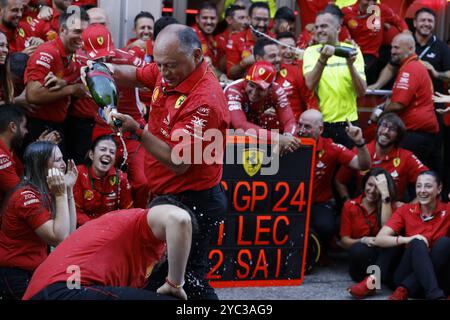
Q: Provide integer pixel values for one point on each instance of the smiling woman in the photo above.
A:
(101, 187)
(40, 212)
(6, 84)
(425, 226)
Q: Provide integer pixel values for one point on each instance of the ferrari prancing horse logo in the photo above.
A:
(252, 160)
(100, 40)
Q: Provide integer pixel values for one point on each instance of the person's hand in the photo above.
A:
(354, 132)
(45, 13)
(288, 143)
(326, 52)
(141, 44)
(35, 41)
(128, 123)
(248, 61)
(53, 137)
(441, 98)
(89, 66)
(29, 50)
(430, 68)
(54, 83)
(55, 182)
(368, 241)
(352, 58)
(79, 90)
(382, 185)
(270, 112)
(374, 86)
(419, 237)
(171, 291)
(71, 175)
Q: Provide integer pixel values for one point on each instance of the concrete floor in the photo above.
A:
(325, 283)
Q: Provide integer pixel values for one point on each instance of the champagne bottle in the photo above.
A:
(103, 89)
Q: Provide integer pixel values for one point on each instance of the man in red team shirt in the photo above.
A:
(188, 102)
(95, 263)
(12, 132)
(289, 76)
(259, 103)
(412, 100)
(328, 156)
(240, 46)
(54, 60)
(386, 153)
(206, 23)
(365, 22)
(11, 12)
(237, 19)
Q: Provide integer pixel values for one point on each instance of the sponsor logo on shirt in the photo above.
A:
(180, 101)
(27, 203)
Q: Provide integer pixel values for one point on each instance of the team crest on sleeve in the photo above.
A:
(180, 101)
(155, 94)
(88, 195)
(252, 160)
(245, 54)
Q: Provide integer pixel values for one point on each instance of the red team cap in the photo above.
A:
(262, 73)
(97, 41)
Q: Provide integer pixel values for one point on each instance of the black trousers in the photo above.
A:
(324, 221)
(362, 256)
(78, 133)
(13, 283)
(420, 269)
(426, 147)
(208, 206)
(371, 68)
(336, 131)
(60, 291)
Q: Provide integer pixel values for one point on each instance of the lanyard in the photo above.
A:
(91, 179)
(427, 48)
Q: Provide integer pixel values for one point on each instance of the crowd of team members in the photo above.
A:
(302, 88)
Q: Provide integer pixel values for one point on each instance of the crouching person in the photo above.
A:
(361, 220)
(111, 258)
(423, 227)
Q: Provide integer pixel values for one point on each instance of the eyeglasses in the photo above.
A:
(390, 128)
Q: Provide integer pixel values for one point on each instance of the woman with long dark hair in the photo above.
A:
(39, 213)
(423, 227)
(101, 187)
(361, 220)
(6, 83)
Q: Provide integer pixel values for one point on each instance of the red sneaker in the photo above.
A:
(401, 293)
(361, 290)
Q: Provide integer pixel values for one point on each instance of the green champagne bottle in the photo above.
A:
(103, 89)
